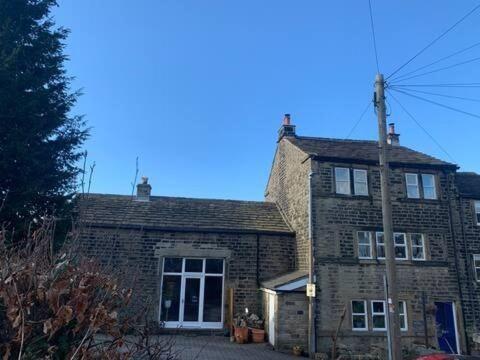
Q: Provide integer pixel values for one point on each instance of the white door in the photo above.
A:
(271, 318)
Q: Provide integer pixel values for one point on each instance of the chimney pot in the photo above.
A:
(287, 129)
(144, 190)
(392, 137)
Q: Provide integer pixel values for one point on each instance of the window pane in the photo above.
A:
(172, 265)
(358, 307)
(193, 265)
(402, 314)
(212, 305)
(418, 248)
(400, 246)
(171, 297)
(429, 193)
(477, 211)
(342, 179)
(214, 266)
(360, 182)
(380, 245)
(428, 180)
(360, 175)
(359, 322)
(399, 239)
(377, 306)
(412, 179)
(342, 174)
(361, 189)
(378, 321)
(413, 192)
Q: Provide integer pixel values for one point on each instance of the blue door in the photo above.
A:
(445, 322)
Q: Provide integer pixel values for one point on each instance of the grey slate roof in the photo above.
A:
(468, 184)
(176, 213)
(284, 279)
(363, 150)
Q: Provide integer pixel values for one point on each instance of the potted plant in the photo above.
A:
(240, 329)
(256, 326)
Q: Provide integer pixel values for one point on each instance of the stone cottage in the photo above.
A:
(201, 260)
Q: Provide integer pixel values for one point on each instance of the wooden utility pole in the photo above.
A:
(311, 274)
(392, 306)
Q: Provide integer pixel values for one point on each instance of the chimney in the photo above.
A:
(143, 190)
(392, 137)
(287, 129)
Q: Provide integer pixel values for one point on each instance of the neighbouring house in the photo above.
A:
(200, 260)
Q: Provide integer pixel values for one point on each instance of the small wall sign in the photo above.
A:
(311, 290)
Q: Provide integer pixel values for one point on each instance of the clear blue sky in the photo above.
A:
(197, 89)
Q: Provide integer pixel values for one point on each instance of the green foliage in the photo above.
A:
(39, 139)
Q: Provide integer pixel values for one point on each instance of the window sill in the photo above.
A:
(420, 201)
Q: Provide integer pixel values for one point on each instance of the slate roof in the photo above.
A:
(284, 279)
(468, 184)
(177, 213)
(362, 150)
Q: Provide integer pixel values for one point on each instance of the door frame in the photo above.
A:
(197, 275)
(455, 324)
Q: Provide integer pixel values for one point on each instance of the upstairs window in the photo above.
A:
(400, 241)
(364, 244)
(477, 212)
(402, 314)
(413, 189)
(360, 182)
(426, 188)
(359, 315)
(429, 190)
(378, 315)
(476, 266)
(418, 247)
(342, 181)
(380, 245)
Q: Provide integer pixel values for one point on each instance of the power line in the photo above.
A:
(442, 95)
(438, 104)
(358, 121)
(437, 61)
(441, 69)
(460, 85)
(434, 41)
(373, 35)
(422, 128)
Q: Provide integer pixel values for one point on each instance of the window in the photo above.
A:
(429, 189)
(413, 190)
(418, 247)
(342, 181)
(477, 211)
(359, 315)
(476, 266)
(380, 245)
(402, 314)
(400, 241)
(364, 244)
(378, 315)
(360, 183)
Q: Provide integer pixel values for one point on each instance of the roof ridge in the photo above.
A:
(334, 139)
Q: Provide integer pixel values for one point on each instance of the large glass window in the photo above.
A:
(342, 181)
(359, 315)
(413, 190)
(429, 188)
(192, 292)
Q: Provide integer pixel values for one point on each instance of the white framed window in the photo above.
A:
(402, 314)
(360, 182)
(400, 242)
(380, 240)
(413, 190)
(476, 266)
(477, 211)
(364, 239)
(379, 322)
(429, 188)
(418, 246)
(359, 315)
(342, 181)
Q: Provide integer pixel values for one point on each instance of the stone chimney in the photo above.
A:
(144, 190)
(287, 129)
(392, 137)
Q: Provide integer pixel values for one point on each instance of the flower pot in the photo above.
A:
(241, 335)
(258, 335)
(297, 351)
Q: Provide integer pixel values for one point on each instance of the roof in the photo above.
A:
(363, 150)
(286, 279)
(468, 184)
(182, 214)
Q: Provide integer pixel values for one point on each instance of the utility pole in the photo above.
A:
(311, 274)
(392, 297)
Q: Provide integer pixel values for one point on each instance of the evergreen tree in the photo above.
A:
(39, 139)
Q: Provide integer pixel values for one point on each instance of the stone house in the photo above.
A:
(201, 260)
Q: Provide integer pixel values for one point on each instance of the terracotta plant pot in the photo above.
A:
(241, 335)
(258, 335)
(297, 351)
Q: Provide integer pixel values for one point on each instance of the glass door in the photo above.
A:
(191, 300)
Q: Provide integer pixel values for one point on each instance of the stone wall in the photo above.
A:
(342, 276)
(288, 187)
(249, 258)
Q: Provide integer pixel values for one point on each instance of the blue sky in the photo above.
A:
(197, 89)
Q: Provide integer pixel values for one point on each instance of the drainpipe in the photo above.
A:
(311, 273)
